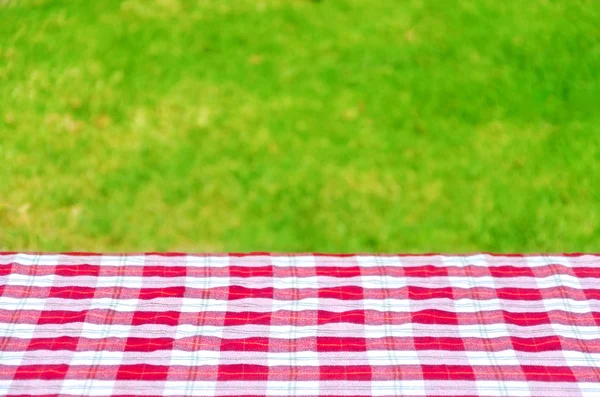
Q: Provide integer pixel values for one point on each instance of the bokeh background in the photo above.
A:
(296, 125)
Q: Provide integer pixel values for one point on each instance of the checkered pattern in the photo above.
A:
(299, 325)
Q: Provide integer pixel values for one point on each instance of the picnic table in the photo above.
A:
(299, 325)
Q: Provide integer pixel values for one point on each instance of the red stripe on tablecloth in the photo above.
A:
(252, 372)
(312, 317)
(318, 344)
(235, 292)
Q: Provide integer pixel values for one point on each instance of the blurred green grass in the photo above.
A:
(291, 125)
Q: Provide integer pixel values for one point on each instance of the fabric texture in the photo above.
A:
(299, 325)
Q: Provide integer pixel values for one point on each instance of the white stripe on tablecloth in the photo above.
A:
(304, 388)
(303, 358)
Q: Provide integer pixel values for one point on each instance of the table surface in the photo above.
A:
(299, 325)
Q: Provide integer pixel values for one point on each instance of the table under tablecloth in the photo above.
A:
(299, 325)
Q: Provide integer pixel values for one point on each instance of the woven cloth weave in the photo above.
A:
(299, 325)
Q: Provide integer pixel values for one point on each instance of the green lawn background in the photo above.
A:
(290, 125)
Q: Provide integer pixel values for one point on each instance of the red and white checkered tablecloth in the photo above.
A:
(299, 325)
